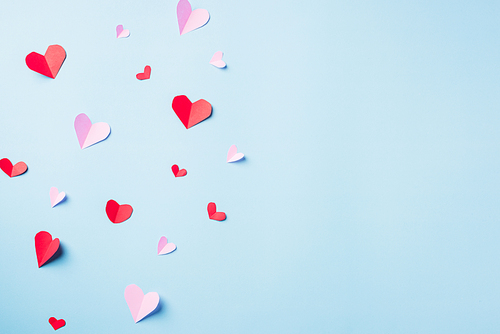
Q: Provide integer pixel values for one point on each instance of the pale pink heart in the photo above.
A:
(140, 305)
(55, 196)
(164, 247)
(121, 33)
(89, 134)
(233, 155)
(217, 60)
(189, 20)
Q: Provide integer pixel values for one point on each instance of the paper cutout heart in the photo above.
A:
(188, 19)
(164, 247)
(48, 64)
(145, 75)
(217, 60)
(177, 172)
(120, 33)
(233, 155)
(191, 113)
(118, 213)
(55, 196)
(140, 305)
(213, 214)
(45, 247)
(11, 171)
(89, 134)
(56, 324)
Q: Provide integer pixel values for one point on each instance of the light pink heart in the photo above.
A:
(121, 33)
(188, 19)
(217, 60)
(55, 196)
(140, 305)
(89, 134)
(164, 247)
(233, 155)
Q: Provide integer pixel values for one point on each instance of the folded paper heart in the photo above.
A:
(213, 214)
(55, 196)
(217, 60)
(140, 305)
(233, 155)
(121, 33)
(188, 19)
(56, 324)
(89, 134)
(145, 75)
(178, 172)
(118, 213)
(48, 64)
(164, 247)
(191, 113)
(13, 170)
(45, 247)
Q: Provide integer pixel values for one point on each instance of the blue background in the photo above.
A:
(368, 202)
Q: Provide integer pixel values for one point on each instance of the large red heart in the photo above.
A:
(118, 213)
(45, 247)
(48, 64)
(56, 324)
(191, 113)
(213, 214)
(177, 172)
(17, 169)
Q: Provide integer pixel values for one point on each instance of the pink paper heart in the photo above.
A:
(164, 247)
(140, 305)
(217, 60)
(55, 196)
(232, 155)
(121, 33)
(188, 19)
(89, 134)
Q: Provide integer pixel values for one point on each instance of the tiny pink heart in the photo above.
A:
(121, 33)
(56, 197)
(164, 247)
(140, 305)
(217, 60)
(89, 134)
(233, 155)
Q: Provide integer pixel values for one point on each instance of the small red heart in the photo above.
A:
(45, 247)
(48, 64)
(56, 324)
(213, 214)
(145, 75)
(177, 172)
(17, 169)
(191, 113)
(118, 213)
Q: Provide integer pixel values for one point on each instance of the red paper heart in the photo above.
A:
(118, 213)
(48, 64)
(56, 324)
(191, 113)
(177, 172)
(17, 169)
(213, 214)
(45, 247)
(145, 75)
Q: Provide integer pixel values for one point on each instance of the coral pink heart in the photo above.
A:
(178, 172)
(164, 247)
(188, 19)
(13, 170)
(121, 33)
(55, 196)
(213, 214)
(89, 134)
(140, 305)
(217, 60)
(145, 75)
